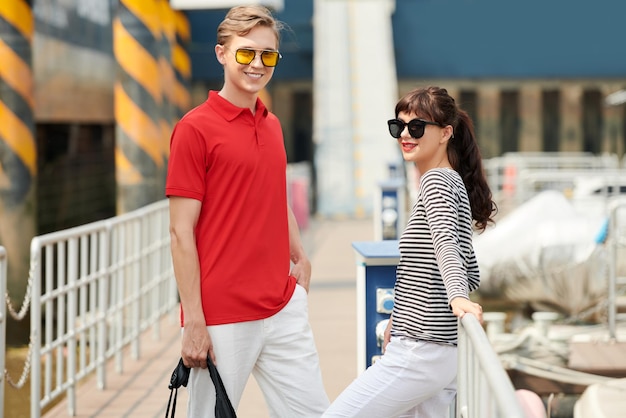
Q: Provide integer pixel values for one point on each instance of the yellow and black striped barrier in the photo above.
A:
(18, 150)
(168, 113)
(138, 99)
(182, 64)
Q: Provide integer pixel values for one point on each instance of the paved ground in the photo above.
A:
(141, 390)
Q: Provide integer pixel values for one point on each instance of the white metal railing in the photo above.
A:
(92, 290)
(95, 289)
(503, 172)
(484, 390)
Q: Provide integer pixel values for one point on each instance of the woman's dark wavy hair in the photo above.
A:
(435, 104)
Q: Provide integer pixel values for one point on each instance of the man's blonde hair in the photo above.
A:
(242, 19)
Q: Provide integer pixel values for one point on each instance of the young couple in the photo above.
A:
(243, 275)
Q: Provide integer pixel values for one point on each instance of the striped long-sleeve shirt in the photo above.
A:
(437, 260)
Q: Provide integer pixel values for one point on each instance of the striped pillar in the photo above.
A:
(139, 155)
(18, 149)
(182, 64)
(168, 111)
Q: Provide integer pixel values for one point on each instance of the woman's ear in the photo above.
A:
(219, 53)
(448, 133)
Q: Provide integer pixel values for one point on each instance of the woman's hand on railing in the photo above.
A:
(461, 306)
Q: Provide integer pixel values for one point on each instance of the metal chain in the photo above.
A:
(18, 316)
(25, 371)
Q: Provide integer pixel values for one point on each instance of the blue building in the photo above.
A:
(533, 75)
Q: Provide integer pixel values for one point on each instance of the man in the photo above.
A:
(240, 267)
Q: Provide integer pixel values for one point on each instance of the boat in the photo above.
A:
(558, 270)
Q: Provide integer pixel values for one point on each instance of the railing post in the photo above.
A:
(152, 238)
(72, 311)
(104, 276)
(136, 284)
(3, 323)
(35, 330)
(485, 360)
(118, 282)
(155, 263)
(462, 373)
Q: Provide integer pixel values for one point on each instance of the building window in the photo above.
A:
(76, 179)
(551, 119)
(592, 121)
(468, 101)
(509, 121)
(302, 127)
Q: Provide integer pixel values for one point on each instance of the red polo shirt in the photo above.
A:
(234, 162)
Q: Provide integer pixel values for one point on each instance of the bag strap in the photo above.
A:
(223, 406)
(180, 377)
(174, 395)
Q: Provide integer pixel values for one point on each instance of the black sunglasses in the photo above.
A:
(416, 127)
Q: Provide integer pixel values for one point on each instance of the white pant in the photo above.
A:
(412, 379)
(279, 351)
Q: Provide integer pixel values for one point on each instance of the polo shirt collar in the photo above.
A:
(229, 111)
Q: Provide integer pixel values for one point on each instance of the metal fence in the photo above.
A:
(484, 390)
(93, 290)
(517, 176)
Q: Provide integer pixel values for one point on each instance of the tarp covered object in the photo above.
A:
(545, 253)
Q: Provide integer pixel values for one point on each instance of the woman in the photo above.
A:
(416, 376)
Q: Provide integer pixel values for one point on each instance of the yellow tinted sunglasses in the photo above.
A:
(269, 58)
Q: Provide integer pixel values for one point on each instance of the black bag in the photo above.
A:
(223, 407)
(180, 377)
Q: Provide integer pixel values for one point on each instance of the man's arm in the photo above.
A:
(196, 341)
(301, 269)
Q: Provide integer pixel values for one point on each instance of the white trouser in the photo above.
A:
(279, 351)
(412, 379)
